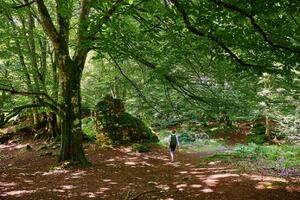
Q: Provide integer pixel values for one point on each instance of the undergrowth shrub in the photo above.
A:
(285, 160)
(257, 139)
(141, 148)
(87, 128)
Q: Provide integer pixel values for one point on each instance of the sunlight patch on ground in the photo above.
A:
(163, 187)
(55, 172)
(28, 181)
(17, 193)
(68, 187)
(184, 172)
(109, 181)
(78, 174)
(88, 194)
(207, 190)
(265, 185)
(147, 164)
(164, 158)
(216, 176)
(57, 190)
(12, 146)
(195, 186)
(196, 172)
(215, 162)
(265, 178)
(5, 184)
(211, 182)
(183, 185)
(175, 164)
(130, 163)
(126, 149)
(102, 190)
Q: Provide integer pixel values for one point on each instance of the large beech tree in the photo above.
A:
(161, 35)
(70, 67)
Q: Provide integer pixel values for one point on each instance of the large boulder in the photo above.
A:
(115, 126)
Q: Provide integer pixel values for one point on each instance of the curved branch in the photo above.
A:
(181, 89)
(16, 111)
(134, 85)
(54, 105)
(82, 51)
(23, 5)
(255, 25)
(47, 23)
(190, 27)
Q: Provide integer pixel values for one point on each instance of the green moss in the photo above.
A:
(141, 148)
(115, 126)
(257, 139)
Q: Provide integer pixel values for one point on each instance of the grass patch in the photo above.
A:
(272, 159)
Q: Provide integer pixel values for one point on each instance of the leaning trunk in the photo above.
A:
(71, 133)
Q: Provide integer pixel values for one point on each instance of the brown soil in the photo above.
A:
(121, 173)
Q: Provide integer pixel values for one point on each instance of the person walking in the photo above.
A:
(174, 142)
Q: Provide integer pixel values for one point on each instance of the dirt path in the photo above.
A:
(121, 173)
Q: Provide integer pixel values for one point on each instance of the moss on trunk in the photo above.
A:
(71, 133)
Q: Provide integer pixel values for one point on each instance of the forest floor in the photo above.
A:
(121, 173)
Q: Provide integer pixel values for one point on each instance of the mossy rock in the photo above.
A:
(115, 126)
(257, 139)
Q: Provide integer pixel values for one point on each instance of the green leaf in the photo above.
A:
(130, 1)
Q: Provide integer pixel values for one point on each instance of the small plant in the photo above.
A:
(257, 139)
(141, 148)
(87, 128)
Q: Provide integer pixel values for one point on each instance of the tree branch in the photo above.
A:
(23, 5)
(105, 18)
(82, 50)
(47, 23)
(16, 111)
(255, 25)
(53, 104)
(134, 85)
(181, 89)
(63, 21)
(233, 56)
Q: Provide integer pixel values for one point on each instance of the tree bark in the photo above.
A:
(71, 133)
(268, 128)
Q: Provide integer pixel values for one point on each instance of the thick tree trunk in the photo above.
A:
(71, 133)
